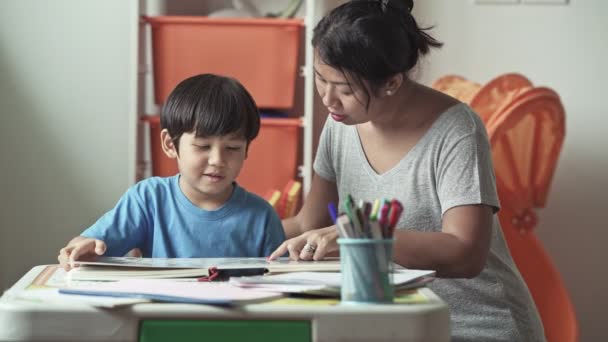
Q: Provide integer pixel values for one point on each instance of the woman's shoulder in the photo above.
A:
(460, 118)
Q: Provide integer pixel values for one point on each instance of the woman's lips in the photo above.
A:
(337, 117)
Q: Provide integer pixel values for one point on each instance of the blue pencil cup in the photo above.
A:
(366, 266)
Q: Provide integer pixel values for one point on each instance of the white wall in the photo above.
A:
(67, 104)
(564, 48)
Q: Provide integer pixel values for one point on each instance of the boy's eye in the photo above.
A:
(203, 147)
(234, 148)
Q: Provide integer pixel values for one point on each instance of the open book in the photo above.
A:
(115, 268)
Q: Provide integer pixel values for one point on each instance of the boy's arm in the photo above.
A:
(125, 226)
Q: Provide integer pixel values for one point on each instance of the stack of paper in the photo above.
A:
(271, 279)
(52, 295)
(324, 283)
(164, 290)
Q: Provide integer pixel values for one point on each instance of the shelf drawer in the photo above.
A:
(261, 53)
(224, 330)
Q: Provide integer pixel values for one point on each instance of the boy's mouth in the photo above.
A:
(214, 177)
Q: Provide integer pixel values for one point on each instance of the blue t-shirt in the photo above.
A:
(155, 216)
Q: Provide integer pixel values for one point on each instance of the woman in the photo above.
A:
(389, 137)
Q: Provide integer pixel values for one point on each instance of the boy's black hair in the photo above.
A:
(371, 40)
(210, 105)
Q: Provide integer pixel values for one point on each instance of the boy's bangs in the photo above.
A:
(218, 118)
(217, 124)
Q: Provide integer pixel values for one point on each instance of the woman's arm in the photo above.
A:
(460, 250)
(314, 212)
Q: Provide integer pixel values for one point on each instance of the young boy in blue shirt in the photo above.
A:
(207, 124)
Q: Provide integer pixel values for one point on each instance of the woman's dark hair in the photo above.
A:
(210, 105)
(371, 40)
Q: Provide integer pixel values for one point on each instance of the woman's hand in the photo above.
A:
(312, 245)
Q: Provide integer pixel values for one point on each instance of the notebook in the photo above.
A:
(206, 269)
(174, 291)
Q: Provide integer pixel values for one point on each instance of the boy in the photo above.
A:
(207, 124)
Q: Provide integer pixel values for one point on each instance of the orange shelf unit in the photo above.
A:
(272, 160)
(261, 53)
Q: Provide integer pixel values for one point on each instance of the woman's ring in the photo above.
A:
(310, 248)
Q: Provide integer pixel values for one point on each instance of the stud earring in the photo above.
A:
(389, 92)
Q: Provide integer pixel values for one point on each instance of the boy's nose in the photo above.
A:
(216, 157)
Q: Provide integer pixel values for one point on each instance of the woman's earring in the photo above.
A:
(389, 92)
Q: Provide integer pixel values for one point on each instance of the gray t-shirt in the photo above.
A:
(451, 165)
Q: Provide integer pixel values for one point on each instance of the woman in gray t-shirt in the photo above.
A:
(390, 137)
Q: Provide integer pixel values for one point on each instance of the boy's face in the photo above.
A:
(208, 166)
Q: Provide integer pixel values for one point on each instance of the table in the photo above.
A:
(285, 319)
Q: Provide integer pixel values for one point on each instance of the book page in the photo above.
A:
(93, 272)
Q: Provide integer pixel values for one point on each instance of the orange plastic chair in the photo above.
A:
(526, 129)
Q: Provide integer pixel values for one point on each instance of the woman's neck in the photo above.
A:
(400, 111)
(412, 108)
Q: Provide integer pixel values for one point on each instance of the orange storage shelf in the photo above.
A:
(261, 53)
(272, 159)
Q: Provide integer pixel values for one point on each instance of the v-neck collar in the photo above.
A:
(418, 145)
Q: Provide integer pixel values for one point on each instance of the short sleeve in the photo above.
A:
(124, 227)
(465, 173)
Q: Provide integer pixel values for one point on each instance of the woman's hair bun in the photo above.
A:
(402, 5)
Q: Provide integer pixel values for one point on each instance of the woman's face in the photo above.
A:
(344, 100)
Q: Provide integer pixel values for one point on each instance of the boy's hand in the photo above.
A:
(80, 248)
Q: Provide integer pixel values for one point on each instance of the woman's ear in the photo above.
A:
(167, 144)
(393, 84)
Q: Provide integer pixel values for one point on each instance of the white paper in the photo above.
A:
(52, 295)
